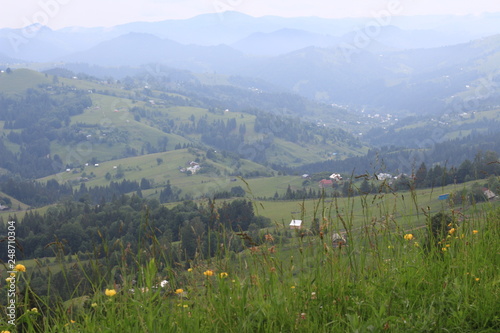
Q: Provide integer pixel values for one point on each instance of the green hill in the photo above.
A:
(19, 80)
(80, 121)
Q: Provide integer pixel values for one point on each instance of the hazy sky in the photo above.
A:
(97, 13)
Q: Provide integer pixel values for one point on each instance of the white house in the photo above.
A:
(336, 177)
(489, 194)
(384, 176)
(195, 168)
(296, 224)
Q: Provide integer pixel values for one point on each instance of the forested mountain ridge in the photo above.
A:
(62, 123)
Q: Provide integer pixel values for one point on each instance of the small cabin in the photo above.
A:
(296, 224)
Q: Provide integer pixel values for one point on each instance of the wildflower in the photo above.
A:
(185, 306)
(254, 249)
(223, 275)
(70, 322)
(179, 291)
(408, 236)
(313, 295)
(475, 232)
(5, 332)
(13, 274)
(8, 280)
(452, 230)
(110, 292)
(20, 268)
(190, 269)
(390, 247)
(269, 238)
(163, 283)
(208, 272)
(448, 245)
(34, 310)
(416, 244)
(477, 279)
(94, 305)
(444, 249)
(293, 287)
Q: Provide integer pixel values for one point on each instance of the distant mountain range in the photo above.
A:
(413, 64)
(268, 35)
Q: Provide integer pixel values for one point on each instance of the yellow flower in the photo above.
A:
(452, 230)
(293, 287)
(20, 268)
(179, 291)
(71, 321)
(185, 306)
(8, 280)
(94, 305)
(477, 279)
(475, 232)
(190, 269)
(408, 236)
(5, 332)
(208, 273)
(110, 292)
(416, 244)
(35, 310)
(390, 247)
(448, 245)
(223, 275)
(444, 249)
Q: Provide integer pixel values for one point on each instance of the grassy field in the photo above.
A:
(21, 79)
(385, 279)
(147, 166)
(407, 208)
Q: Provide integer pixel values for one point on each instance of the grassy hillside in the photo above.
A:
(21, 79)
(386, 278)
(136, 121)
(161, 167)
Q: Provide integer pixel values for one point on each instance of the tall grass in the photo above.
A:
(386, 278)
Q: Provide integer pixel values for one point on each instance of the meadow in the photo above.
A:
(384, 276)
